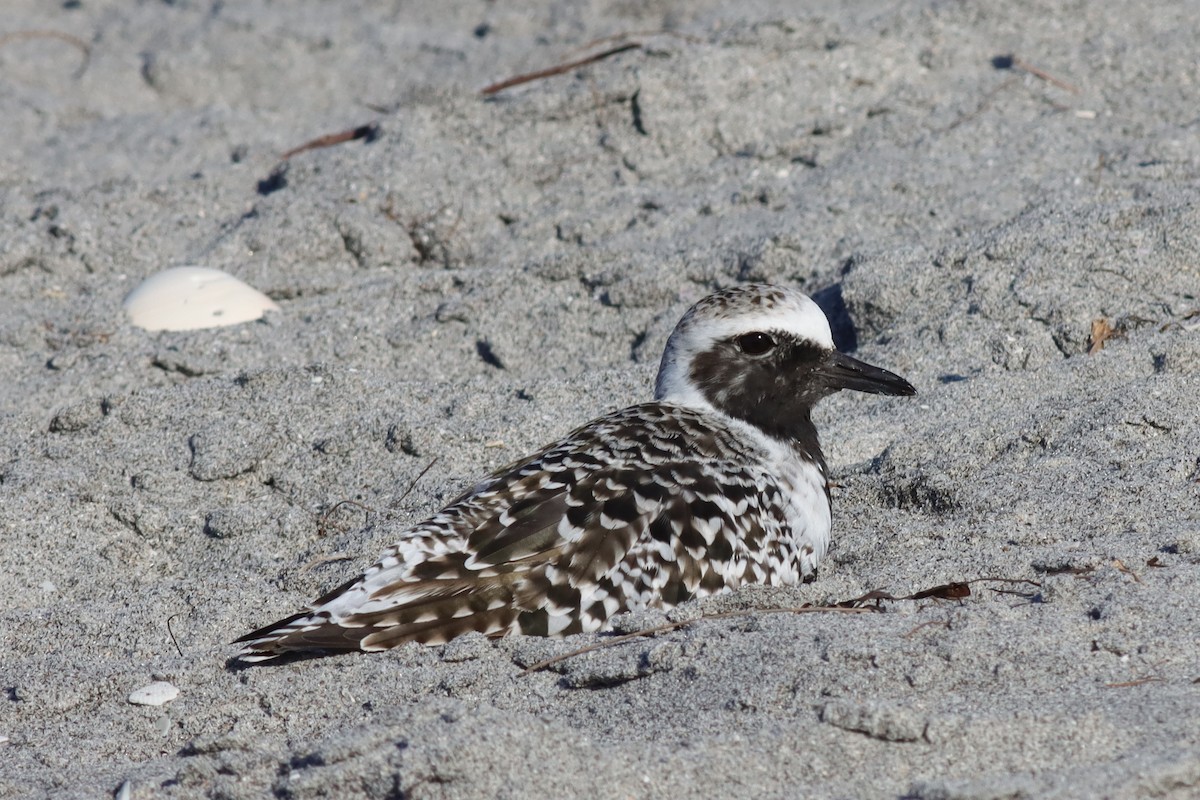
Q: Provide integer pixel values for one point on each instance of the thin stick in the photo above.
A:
(1046, 76)
(670, 626)
(412, 484)
(1011, 591)
(558, 70)
(368, 132)
(323, 520)
(1136, 682)
(174, 641)
(322, 560)
(848, 607)
(616, 37)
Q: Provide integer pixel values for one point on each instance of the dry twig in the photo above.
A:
(1012, 62)
(413, 483)
(368, 132)
(528, 77)
(171, 633)
(945, 591)
(323, 519)
(1135, 682)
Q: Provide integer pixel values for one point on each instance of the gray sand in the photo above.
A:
(965, 222)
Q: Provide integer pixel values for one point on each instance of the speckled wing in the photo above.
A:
(645, 507)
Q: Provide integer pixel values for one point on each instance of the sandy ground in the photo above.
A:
(967, 187)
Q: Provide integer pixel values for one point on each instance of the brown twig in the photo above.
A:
(955, 590)
(670, 626)
(83, 46)
(1012, 592)
(1025, 595)
(1046, 76)
(528, 77)
(1135, 682)
(323, 519)
(1012, 62)
(369, 132)
(413, 483)
(171, 633)
(617, 37)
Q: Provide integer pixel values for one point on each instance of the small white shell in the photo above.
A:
(154, 694)
(192, 298)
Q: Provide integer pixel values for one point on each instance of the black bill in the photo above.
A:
(840, 371)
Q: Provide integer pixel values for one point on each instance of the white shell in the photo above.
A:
(154, 694)
(192, 298)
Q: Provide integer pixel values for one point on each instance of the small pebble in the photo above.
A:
(154, 694)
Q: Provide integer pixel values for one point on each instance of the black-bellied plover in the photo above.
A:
(719, 482)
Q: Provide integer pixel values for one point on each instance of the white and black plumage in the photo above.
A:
(718, 482)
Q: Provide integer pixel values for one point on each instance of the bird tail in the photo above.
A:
(437, 611)
(301, 632)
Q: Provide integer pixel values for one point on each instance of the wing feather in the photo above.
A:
(555, 543)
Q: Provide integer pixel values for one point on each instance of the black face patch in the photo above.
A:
(775, 391)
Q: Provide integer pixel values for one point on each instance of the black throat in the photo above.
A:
(775, 394)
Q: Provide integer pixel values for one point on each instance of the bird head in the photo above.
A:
(763, 354)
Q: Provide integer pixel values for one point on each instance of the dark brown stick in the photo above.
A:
(368, 131)
(558, 70)
(174, 641)
(616, 37)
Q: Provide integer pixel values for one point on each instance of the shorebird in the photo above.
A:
(718, 482)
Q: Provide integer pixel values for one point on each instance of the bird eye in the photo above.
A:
(755, 344)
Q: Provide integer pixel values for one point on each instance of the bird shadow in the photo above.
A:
(831, 301)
